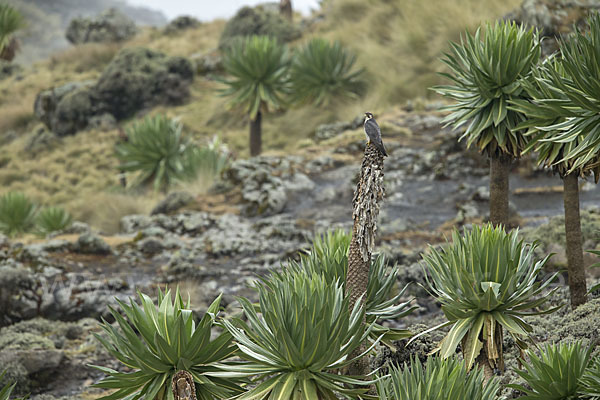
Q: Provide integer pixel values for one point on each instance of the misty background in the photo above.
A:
(48, 20)
(206, 10)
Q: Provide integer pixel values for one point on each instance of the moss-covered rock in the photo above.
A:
(65, 109)
(259, 20)
(23, 341)
(551, 237)
(110, 26)
(138, 78)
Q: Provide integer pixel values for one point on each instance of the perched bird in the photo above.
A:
(374, 133)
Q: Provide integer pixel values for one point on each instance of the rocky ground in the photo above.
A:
(264, 211)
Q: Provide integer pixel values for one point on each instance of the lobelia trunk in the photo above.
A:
(576, 270)
(369, 192)
(499, 172)
(255, 135)
(285, 9)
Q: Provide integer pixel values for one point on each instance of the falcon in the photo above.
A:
(374, 133)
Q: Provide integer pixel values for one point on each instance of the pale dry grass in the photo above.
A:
(104, 210)
(400, 42)
(186, 43)
(84, 57)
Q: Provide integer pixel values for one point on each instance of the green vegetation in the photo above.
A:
(436, 380)
(328, 257)
(17, 213)
(322, 72)
(52, 219)
(486, 282)
(556, 374)
(306, 333)
(170, 341)
(542, 125)
(158, 152)
(207, 160)
(590, 382)
(11, 21)
(6, 390)
(257, 66)
(486, 75)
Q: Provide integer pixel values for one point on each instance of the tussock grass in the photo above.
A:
(84, 57)
(188, 42)
(104, 210)
(400, 43)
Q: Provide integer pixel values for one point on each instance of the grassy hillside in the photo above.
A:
(399, 44)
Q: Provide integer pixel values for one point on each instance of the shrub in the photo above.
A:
(52, 219)
(486, 281)
(17, 213)
(322, 72)
(304, 335)
(590, 382)
(157, 151)
(328, 257)
(170, 341)
(556, 373)
(207, 160)
(438, 379)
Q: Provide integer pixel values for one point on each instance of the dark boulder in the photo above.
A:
(181, 23)
(65, 109)
(138, 78)
(135, 79)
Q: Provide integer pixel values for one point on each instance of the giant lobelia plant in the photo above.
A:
(549, 110)
(257, 69)
(298, 338)
(438, 379)
(488, 282)
(556, 374)
(328, 257)
(322, 72)
(169, 342)
(486, 73)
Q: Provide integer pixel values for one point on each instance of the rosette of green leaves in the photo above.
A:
(590, 382)
(258, 74)
(547, 111)
(486, 281)
(11, 20)
(486, 75)
(7, 389)
(52, 219)
(328, 257)
(169, 340)
(17, 213)
(304, 334)
(323, 71)
(156, 150)
(438, 379)
(580, 83)
(555, 374)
